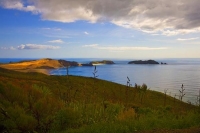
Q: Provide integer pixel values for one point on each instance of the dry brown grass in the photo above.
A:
(127, 114)
(40, 66)
(33, 64)
(44, 71)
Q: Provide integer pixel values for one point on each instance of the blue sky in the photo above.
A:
(99, 29)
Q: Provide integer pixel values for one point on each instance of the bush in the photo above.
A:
(65, 119)
(17, 120)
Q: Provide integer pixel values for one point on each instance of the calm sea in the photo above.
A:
(157, 77)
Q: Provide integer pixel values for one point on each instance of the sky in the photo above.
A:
(137, 29)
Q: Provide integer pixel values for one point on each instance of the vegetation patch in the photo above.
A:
(34, 102)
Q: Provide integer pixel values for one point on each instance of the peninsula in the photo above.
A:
(41, 65)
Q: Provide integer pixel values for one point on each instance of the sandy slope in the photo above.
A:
(41, 65)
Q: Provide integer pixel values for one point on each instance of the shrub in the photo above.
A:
(17, 120)
(66, 118)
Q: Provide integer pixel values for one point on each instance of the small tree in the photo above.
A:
(198, 99)
(174, 98)
(128, 82)
(95, 72)
(128, 85)
(67, 67)
(142, 90)
(182, 94)
(165, 91)
(136, 86)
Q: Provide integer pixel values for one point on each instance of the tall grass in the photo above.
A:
(149, 119)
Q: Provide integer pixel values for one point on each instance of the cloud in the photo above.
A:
(187, 39)
(124, 48)
(86, 33)
(56, 29)
(8, 48)
(131, 48)
(150, 16)
(56, 41)
(31, 46)
(17, 4)
(36, 46)
(91, 45)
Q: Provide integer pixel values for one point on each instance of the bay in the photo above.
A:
(168, 77)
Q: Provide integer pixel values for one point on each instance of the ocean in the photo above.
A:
(168, 77)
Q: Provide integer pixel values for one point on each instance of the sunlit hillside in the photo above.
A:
(41, 103)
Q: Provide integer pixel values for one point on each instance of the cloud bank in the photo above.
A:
(31, 46)
(187, 39)
(8, 48)
(36, 46)
(150, 16)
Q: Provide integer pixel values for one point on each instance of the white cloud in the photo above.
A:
(8, 48)
(91, 45)
(150, 16)
(37, 46)
(86, 33)
(56, 41)
(131, 48)
(187, 39)
(46, 28)
(17, 4)
(31, 46)
(56, 29)
(124, 48)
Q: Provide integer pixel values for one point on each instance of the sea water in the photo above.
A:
(168, 77)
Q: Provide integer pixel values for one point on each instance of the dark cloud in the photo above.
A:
(164, 16)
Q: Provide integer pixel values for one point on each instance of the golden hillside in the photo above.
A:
(41, 65)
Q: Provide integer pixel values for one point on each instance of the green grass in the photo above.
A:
(41, 103)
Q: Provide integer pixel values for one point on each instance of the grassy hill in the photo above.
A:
(34, 102)
(41, 65)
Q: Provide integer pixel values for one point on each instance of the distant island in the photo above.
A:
(92, 63)
(87, 64)
(143, 62)
(102, 62)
